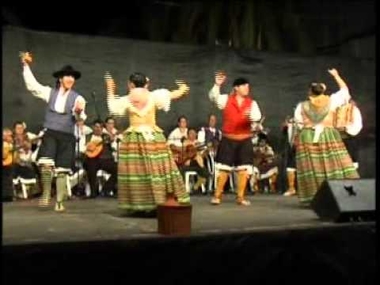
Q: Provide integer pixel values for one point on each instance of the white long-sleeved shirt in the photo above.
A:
(176, 136)
(119, 105)
(221, 100)
(81, 134)
(357, 122)
(43, 92)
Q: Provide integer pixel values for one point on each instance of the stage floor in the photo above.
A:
(98, 219)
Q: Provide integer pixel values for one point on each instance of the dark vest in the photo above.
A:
(212, 137)
(62, 122)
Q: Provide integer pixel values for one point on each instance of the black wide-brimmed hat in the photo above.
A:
(240, 81)
(67, 70)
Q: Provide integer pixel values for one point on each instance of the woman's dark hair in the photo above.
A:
(138, 79)
(18, 123)
(109, 118)
(317, 88)
(97, 121)
(211, 115)
(181, 117)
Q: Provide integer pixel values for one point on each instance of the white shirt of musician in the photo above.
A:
(201, 137)
(202, 134)
(357, 122)
(81, 134)
(114, 143)
(176, 136)
(290, 132)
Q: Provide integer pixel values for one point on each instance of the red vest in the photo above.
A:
(235, 121)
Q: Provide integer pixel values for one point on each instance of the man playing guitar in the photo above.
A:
(192, 156)
(8, 159)
(99, 156)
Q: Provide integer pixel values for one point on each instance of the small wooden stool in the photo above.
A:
(174, 219)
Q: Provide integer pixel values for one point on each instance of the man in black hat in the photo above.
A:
(235, 151)
(57, 150)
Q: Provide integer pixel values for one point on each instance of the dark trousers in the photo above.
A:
(351, 144)
(7, 188)
(235, 153)
(92, 165)
(58, 146)
(194, 166)
(25, 171)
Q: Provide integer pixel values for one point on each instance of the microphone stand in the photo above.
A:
(183, 149)
(117, 149)
(78, 156)
(95, 106)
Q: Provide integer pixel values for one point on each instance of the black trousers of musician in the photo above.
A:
(351, 144)
(25, 171)
(92, 166)
(194, 166)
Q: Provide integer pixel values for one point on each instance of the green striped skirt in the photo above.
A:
(316, 162)
(147, 173)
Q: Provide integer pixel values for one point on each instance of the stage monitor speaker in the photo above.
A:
(346, 200)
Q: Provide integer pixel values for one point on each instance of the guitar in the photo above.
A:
(189, 152)
(343, 116)
(7, 154)
(94, 148)
(11, 151)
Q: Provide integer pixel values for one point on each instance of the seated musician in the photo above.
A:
(265, 164)
(289, 131)
(349, 122)
(257, 128)
(81, 131)
(191, 157)
(25, 167)
(111, 130)
(26, 144)
(99, 157)
(21, 134)
(8, 157)
(210, 135)
(177, 136)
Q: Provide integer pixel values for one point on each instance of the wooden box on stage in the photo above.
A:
(174, 219)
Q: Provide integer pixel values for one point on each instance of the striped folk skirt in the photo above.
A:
(147, 173)
(316, 162)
